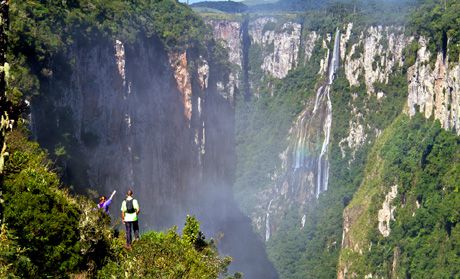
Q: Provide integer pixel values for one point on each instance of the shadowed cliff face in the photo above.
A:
(119, 127)
(120, 116)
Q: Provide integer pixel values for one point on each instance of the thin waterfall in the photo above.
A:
(334, 64)
(267, 221)
(323, 163)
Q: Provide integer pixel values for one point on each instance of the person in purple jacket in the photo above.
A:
(104, 202)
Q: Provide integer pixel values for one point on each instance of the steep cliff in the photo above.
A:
(434, 88)
(402, 222)
(114, 111)
(367, 228)
(261, 47)
(432, 84)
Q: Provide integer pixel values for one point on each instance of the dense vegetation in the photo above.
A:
(439, 21)
(169, 255)
(422, 159)
(42, 222)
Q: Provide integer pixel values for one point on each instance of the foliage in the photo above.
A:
(43, 219)
(50, 233)
(10, 252)
(422, 159)
(97, 240)
(53, 232)
(438, 21)
(47, 26)
(168, 255)
(410, 54)
(192, 234)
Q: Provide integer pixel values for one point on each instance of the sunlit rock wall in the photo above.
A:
(368, 56)
(434, 88)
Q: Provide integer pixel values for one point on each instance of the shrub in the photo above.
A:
(168, 255)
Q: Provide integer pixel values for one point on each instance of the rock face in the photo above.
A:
(275, 45)
(281, 47)
(435, 91)
(375, 56)
(116, 108)
(370, 57)
(230, 32)
(386, 214)
(179, 64)
(135, 116)
(305, 172)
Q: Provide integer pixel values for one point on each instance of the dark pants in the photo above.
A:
(131, 226)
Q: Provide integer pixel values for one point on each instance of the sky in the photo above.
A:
(195, 1)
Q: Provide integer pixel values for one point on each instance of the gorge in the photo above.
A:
(309, 144)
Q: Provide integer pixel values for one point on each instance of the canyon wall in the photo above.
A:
(369, 58)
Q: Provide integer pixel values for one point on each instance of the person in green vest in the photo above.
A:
(129, 215)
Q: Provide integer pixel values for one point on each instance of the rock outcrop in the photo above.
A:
(434, 89)
(376, 54)
(276, 44)
(230, 34)
(119, 110)
(386, 214)
(280, 45)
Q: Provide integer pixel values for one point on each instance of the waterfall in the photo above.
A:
(334, 64)
(323, 163)
(267, 221)
(312, 132)
(323, 173)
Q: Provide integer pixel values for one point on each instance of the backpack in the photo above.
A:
(129, 206)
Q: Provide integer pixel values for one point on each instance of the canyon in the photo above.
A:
(163, 122)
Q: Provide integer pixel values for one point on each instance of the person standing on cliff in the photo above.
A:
(104, 202)
(129, 214)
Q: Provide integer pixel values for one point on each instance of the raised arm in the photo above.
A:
(113, 194)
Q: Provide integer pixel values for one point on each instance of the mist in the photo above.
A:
(131, 126)
(132, 129)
